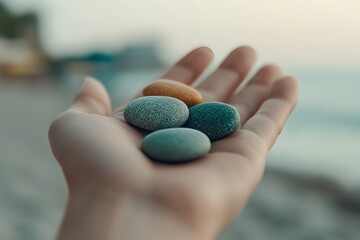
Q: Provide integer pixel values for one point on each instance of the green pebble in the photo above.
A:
(156, 112)
(176, 145)
(216, 119)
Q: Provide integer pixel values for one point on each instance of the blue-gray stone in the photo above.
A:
(176, 145)
(216, 119)
(156, 112)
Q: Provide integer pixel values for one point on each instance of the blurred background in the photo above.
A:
(311, 189)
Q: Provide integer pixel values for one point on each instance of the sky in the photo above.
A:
(317, 34)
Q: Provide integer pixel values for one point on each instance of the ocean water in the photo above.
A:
(321, 138)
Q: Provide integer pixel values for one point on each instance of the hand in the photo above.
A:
(116, 192)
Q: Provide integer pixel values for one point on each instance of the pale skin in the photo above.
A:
(116, 192)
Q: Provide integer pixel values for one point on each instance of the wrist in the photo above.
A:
(94, 213)
(89, 214)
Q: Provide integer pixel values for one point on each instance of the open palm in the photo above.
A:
(97, 149)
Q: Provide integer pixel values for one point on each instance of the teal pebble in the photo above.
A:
(156, 112)
(217, 120)
(176, 145)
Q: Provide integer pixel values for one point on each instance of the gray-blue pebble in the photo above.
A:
(216, 119)
(156, 112)
(176, 145)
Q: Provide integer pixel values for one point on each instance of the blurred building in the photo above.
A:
(21, 54)
(143, 56)
(130, 58)
(123, 72)
(109, 67)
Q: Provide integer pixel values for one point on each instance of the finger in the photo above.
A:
(220, 85)
(93, 98)
(258, 134)
(249, 99)
(190, 67)
(269, 120)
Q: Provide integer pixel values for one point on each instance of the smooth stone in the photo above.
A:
(176, 145)
(183, 92)
(216, 119)
(156, 112)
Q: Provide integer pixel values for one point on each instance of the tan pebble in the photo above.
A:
(170, 88)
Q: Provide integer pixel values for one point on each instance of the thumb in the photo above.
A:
(93, 98)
